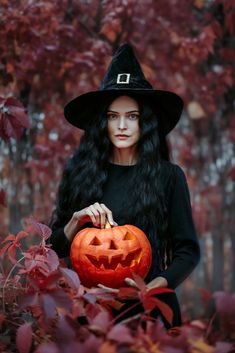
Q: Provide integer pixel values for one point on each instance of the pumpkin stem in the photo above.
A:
(107, 224)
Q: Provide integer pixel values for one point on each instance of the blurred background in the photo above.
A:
(52, 51)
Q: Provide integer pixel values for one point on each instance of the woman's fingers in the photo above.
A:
(98, 213)
(130, 282)
(102, 214)
(109, 214)
(109, 289)
(92, 215)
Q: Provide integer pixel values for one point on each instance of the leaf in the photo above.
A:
(199, 346)
(43, 230)
(90, 298)
(120, 333)
(101, 321)
(225, 302)
(28, 300)
(47, 348)
(127, 292)
(64, 331)
(4, 248)
(12, 118)
(139, 282)
(91, 345)
(52, 259)
(55, 299)
(24, 338)
(223, 347)
(21, 235)
(154, 291)
(108, 347)
(71, 277)
(153, 302)
(48, 305)
(205, 295)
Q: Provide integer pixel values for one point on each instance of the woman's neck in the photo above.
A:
(123, 157)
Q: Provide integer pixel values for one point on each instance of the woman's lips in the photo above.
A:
(122, 137)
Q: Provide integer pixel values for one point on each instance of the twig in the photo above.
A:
(124, 312)
(5, 283)
(125, 321)
(210, 324)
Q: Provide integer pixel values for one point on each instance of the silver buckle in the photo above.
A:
(123, 78)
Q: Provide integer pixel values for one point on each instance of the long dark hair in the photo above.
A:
(86, 173)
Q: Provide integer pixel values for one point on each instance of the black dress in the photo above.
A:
(186, 252)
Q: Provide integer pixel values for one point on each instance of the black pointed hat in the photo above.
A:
(124, 75)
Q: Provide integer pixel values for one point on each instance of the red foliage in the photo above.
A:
(24, 338)
(55, 313)
(12, 118)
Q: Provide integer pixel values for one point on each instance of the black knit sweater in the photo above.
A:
(186, 251)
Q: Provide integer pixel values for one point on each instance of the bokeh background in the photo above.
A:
(52, 51)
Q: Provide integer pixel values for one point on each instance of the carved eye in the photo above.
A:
(129, 236)
(95, 241)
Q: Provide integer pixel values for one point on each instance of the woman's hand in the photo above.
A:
(96, 213)
(158, 282)
(128, 281)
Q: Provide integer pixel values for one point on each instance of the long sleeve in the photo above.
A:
(186, 250)
(59, 242)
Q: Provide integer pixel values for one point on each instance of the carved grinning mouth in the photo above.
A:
(116, 260)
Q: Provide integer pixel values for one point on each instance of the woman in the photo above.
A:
(121, 171)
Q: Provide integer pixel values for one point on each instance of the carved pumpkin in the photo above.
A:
(109, 255)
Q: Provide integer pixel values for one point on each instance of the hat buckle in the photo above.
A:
(123, 78)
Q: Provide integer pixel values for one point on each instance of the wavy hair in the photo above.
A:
(86, 173)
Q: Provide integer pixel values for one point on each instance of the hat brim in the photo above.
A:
(80, 111)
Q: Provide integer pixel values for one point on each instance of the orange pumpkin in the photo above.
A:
(109, 255)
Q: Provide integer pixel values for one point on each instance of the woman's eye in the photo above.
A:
(134, 116)
(112, 116)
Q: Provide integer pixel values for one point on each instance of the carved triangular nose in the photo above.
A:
(113, 245)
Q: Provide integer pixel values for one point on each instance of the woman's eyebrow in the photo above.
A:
(131, 111)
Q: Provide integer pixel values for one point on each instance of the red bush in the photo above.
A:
(45, 309)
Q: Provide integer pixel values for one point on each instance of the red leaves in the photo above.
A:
(121, 334)
(71, 278)
(225, 303)
(150, 301)
(68, 317)
(12, 118)
(24, 338)
(13, 243)
(46, 294)
(41, 229)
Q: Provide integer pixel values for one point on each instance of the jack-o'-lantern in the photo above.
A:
(107, 256)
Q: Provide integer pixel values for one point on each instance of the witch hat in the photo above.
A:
(124, 75)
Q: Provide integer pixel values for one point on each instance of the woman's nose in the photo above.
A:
(122, 123)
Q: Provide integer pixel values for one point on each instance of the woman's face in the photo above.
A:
(123, 122)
